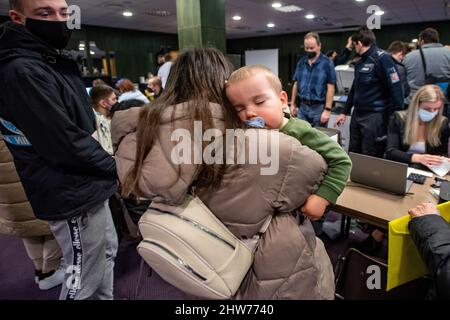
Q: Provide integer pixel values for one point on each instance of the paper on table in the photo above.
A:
(418, 171)
(442, 169)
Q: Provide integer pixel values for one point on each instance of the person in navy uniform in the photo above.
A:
(375, 94)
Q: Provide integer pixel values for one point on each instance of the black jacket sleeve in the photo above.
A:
(349, 104)
(40, 113)
(343, 57)
(392, 78)
(394, 143)
(445, 135)
(431, 234)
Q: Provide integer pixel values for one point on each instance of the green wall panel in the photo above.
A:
(134, 50)
(201, 23)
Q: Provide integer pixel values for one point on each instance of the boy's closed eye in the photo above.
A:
(239, 109)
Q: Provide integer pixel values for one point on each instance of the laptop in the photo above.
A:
(380, 173)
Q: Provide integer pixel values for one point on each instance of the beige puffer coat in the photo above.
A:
(290, 262)
(16, 215)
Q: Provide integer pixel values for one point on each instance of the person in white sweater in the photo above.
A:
(128, 92)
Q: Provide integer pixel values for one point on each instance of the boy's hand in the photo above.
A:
(314, 207)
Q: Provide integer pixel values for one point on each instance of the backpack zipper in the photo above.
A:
(180, 261)
(197, 225)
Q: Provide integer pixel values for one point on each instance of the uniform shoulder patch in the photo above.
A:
(394, 75)
(380, 52)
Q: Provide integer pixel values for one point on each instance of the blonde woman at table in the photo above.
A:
(431, 234)
(419, 136)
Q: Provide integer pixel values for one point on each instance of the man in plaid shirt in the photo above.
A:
(314, 86)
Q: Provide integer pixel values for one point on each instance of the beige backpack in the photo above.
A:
(192, 250)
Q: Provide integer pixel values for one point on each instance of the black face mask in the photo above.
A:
(54, 33)
(311, 54)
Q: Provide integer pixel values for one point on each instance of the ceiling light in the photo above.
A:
(270, 25)
(92, 52)
(237, 18)
(310, 16)
(360, 0)
(288, 9)
(379, 13)
(415, 40)
(276, 5)
(127, 13)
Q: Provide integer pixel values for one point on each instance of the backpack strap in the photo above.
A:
(424, 63)
(264, 226)
(253, 242)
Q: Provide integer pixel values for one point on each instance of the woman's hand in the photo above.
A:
(427, 159)
(423, 209)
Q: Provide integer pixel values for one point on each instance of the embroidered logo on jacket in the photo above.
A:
(18, 138)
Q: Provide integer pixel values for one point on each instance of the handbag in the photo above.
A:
(194, 251)
(404, 261)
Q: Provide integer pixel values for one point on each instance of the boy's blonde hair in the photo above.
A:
(251, 71)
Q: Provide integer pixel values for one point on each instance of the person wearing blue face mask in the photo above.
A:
(419, 136)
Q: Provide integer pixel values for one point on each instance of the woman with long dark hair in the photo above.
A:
(290, 262)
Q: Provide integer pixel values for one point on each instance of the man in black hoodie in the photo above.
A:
(47, 122)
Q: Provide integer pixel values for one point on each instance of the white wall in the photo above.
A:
(268, 58)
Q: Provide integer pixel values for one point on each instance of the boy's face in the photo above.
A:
(254, 97)
(109, 102)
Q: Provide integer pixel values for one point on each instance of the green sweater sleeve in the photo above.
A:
(339, 164)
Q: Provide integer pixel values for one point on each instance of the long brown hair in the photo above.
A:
(197, 77)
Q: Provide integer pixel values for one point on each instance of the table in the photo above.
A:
(378, 207)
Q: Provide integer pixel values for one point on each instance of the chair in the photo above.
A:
(352, 277)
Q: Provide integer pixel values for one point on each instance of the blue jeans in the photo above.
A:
(311, 114)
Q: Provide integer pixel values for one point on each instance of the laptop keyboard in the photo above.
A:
(417, 178)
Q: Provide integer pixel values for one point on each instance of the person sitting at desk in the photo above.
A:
(419, 135)
(431, 234)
